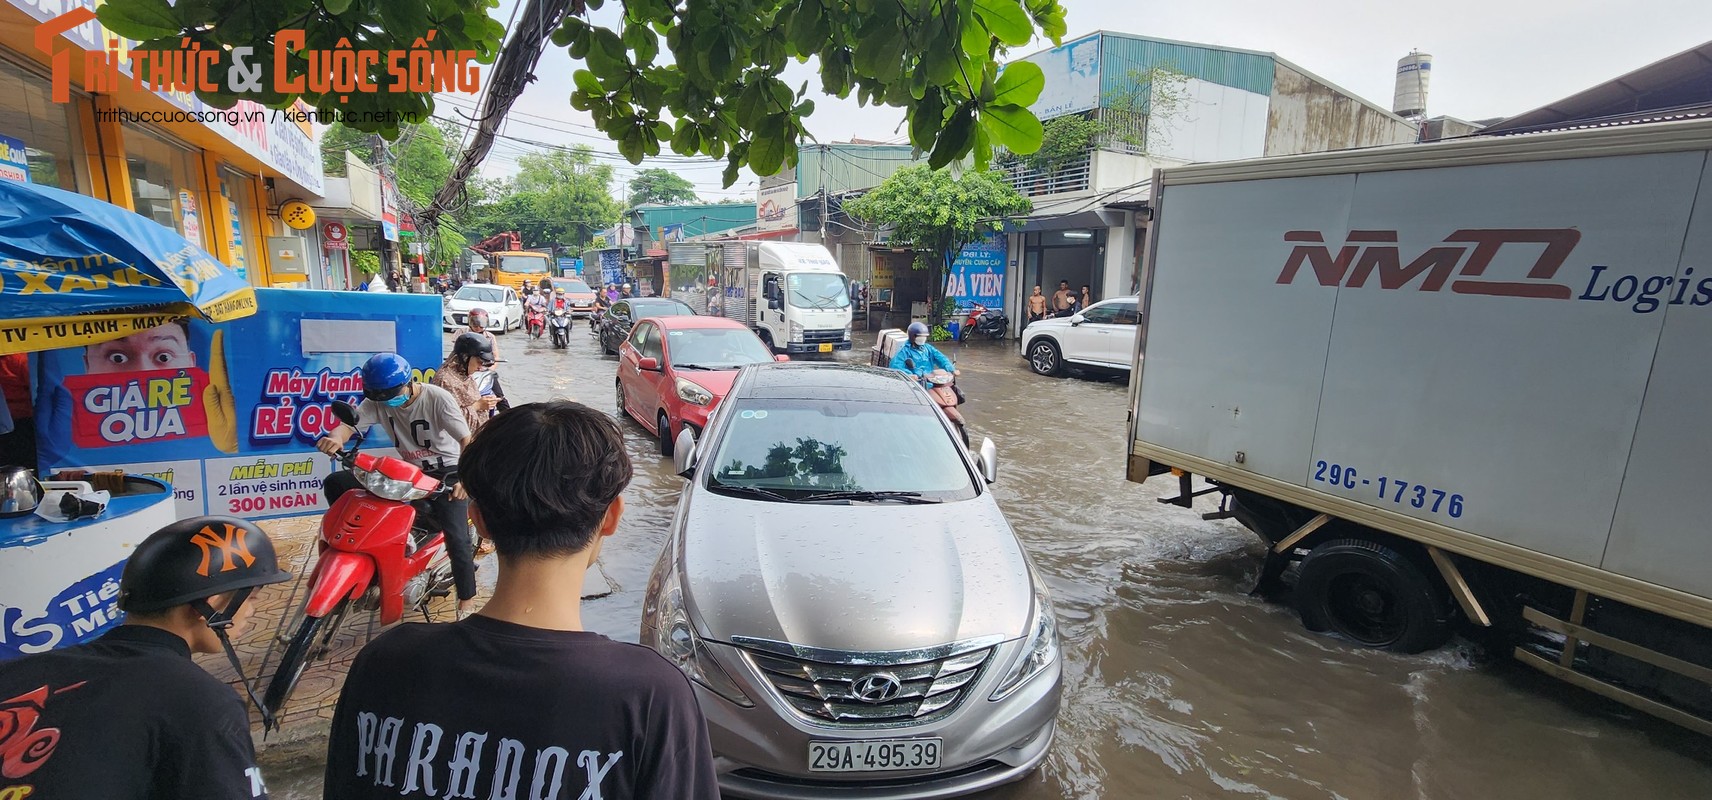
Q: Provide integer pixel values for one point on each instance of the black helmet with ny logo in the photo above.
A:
(194, 559)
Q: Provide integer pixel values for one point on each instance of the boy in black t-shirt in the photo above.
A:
(520, 700)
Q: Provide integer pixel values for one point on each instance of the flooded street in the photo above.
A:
(1177, 683)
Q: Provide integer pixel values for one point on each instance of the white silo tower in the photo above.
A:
(1414, 72)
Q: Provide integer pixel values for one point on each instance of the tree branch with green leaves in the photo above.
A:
(701, 76)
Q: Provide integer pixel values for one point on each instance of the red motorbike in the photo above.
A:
(375, 552)
(535, 322)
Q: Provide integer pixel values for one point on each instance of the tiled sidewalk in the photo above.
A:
(294, 541)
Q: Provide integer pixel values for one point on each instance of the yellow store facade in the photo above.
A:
(216, 176)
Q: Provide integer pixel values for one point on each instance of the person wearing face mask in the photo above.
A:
(919, 358)
(427, 427)
(470, 354)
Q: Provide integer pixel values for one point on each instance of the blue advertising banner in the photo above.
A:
(612, 266)
(978, 274)
(228, 414)
(570, 267)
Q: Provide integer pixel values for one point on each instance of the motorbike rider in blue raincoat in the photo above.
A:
(919, 358)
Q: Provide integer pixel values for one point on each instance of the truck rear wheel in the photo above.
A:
(1373, 595)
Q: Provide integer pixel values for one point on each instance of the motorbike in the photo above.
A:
(560, 322)
(984, 322)
(535, 322)
(375, 552)
(944, 392)
(943, 389)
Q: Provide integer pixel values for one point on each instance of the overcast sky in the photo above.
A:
(1491, 58)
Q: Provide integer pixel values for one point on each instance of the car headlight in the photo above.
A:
(691, 393)
(796, 331)
(1039, 650)
(676, 639)
(846, 331)
(391, 489)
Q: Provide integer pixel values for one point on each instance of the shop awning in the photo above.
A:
(1082, 210)
(77, 271)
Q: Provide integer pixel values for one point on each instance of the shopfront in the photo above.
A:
(1073, 256)
(218, 181)
(39, 139)
(165, 182)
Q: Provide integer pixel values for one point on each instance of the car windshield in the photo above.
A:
(480, 294)
(818, 290)
(660, 309)
(715, 348)
(573, 286)
(798, 448)
(526, 265)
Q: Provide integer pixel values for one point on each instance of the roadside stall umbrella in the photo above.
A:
(78, 271)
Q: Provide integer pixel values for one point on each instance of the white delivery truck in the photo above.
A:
(1464, 384)
(791, 293)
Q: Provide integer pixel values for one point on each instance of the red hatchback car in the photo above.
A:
(673, 371)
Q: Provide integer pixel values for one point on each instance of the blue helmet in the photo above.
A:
(918, 329)
(383, 373)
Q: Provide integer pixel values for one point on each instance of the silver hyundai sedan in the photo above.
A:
(855, 613)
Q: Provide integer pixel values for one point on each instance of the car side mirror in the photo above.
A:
(649, 364)
(781, 357)
(989, 460)
(684, 453)
(775, 304)
(345, 413)
(1077, 319)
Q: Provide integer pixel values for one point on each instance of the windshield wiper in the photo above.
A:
(748, 491)
(912, 498)
(690, 366)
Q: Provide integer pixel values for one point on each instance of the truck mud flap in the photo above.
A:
(1672, 687)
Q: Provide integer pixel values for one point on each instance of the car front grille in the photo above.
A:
(460, 318)
(827, 686)
(818, 337)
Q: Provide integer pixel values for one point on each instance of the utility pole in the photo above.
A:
(512, 71)
(825, 224)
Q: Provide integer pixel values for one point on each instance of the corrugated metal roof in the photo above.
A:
(697, 219)
(1680, 81)
(1123, 54)
(847, 167)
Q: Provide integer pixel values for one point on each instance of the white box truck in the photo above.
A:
(792, 294)
(1463, 385)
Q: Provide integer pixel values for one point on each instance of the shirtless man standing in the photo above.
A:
(1063, 299)
(1036, 306)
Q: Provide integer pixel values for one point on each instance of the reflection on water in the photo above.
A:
(1177, 683)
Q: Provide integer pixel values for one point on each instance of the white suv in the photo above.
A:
(1102, 336)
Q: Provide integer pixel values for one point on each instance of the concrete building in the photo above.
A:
(1160, 103)
(219, 181)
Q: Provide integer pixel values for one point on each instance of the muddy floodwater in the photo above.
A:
(1177, 682)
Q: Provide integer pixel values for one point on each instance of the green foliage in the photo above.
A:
(423, 160)
(379, 25)
(557, 197)
(719, 93)
(660, 187)
(366, 262)
(937, 213)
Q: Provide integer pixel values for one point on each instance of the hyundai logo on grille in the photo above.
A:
(877, 687)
